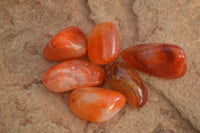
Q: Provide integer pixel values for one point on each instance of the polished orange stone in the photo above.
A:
(124, 79)
(157, 59)
(72, 74)
(70, 43)
(103, 43)
(96, 104)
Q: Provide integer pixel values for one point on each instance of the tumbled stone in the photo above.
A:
(96, 104)
(157, 59)
(69, 43)
(124, 79)
(103, 43)
(72, 74)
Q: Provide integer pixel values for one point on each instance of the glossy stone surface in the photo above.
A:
(160, 60)
(96, 104)
(72, 74)
(69, 43)
(124, 79)
(103, 43)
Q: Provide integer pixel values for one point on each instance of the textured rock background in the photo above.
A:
(27, 25)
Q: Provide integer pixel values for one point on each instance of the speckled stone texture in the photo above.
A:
(26, 26)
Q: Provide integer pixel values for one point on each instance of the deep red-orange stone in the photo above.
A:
(95, 104)
(103, 43)
(69, 43)
(72, 74)
(160, 60)
(123, 78)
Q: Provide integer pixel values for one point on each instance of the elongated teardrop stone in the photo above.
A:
(95, 104)
(71, 75)
(157, 59)
(124, 79)
(103, 43)
(69, 43)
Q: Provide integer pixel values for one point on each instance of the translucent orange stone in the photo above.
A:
(72, 74)
(160, 60)
(124, 79)
(95, 104)
(103, 43)
(70, 43)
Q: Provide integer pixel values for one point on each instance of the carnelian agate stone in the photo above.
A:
(124, 79)
(72, 74)
(95, 104)
(160, 60)
(103, 43)
(70, 43)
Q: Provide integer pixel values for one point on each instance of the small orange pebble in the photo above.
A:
(96, 104)
(72, 74)
(123, 78)
(157, 59)
(69, 43)
(103, 43)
